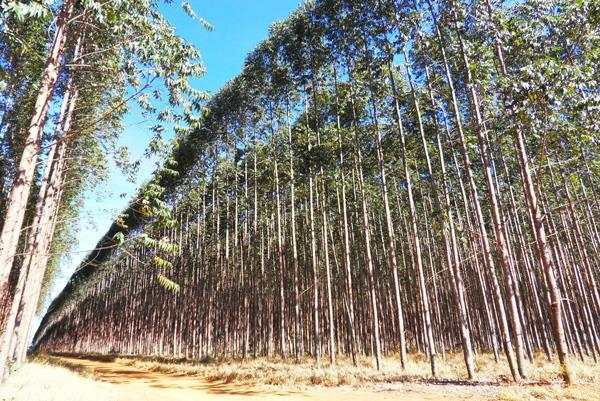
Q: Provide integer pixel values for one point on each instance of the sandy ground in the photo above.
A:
(132, 383)
(116, 381)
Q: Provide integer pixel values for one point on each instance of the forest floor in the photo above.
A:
(109, 378)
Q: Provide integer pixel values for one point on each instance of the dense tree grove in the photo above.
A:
(383, 177)
(68, 73)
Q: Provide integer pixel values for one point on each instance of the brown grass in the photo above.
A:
(492, 381)
(277, 372)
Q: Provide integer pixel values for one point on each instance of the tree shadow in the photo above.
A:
(105, 369)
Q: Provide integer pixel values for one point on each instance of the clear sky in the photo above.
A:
(239, 26)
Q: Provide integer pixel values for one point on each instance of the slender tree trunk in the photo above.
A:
(19, 193)
(539, 235)
(33, 267)
(416, 240)
(347, 263)
(489, 262)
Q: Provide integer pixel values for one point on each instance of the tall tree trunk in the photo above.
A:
(489, 262)
(344, 206)
(25, 300)
(540, 237)
(416, 240)
(19, 193)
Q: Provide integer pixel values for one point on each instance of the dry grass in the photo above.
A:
(550, 392)
(272, 375)
(287, 373)
(37, 381)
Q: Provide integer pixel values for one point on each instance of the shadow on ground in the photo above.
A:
(106, 369)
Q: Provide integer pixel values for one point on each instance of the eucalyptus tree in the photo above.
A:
(131, 50)
(409, 30)
(524, 118)
(19, 192)
(353, 191)
(20, 68)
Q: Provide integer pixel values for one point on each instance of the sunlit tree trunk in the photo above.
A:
(19, 193)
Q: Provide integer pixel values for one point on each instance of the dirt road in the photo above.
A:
(130, 383)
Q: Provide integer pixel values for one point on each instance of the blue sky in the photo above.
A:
(239, 26)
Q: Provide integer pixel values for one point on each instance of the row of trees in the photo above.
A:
(63, 99)
(386, 176)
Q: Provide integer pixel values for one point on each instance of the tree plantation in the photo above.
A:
(383, 179)
(63, 101)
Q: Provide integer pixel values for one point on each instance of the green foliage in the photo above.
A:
(160, 262)
(168, 284)
(356, 89)
(119, 238)
(24, 10)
